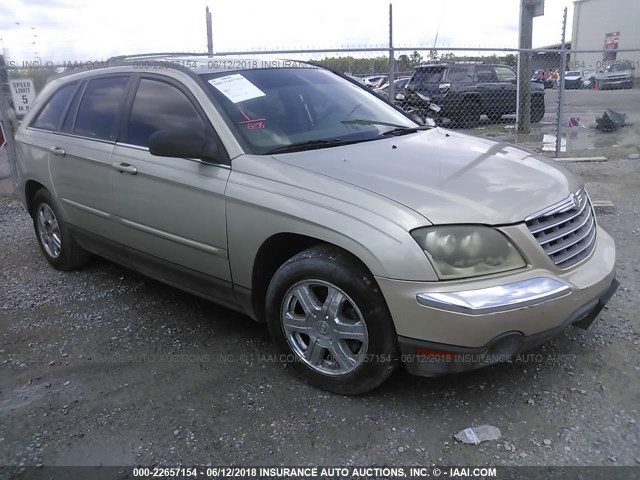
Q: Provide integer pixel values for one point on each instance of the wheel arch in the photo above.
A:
(31, 187)
(274, 252)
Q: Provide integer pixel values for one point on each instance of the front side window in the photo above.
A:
(100, 106)
(273, 109)
(160, 106)
(51, 115)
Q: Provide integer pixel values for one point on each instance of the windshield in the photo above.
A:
(271, 109)
(573, 74)
(618, 67)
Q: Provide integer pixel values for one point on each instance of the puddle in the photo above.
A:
(21, 397)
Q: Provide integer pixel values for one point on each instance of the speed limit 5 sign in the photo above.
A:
(23, 94)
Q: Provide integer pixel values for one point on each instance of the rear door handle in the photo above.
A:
(58, 151)
(125, 168)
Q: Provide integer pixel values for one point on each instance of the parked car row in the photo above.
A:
(615, 75)
(398, 88)
(462, 93)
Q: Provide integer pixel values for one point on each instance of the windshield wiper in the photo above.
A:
(364, 121)
(310, 145)
(396, 130)
(403, 130)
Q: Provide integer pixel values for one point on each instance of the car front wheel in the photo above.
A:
(328, 318)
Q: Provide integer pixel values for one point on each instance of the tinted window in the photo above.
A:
(484, 73)
(505, 74)
(159, 106)
(427, 75)
(100, 106)
(460, 73)
(67, 126)
(50, 116)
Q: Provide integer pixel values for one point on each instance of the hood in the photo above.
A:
(445, 176)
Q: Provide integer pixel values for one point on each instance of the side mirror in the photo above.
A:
(182, 143)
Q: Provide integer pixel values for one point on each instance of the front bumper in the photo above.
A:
(614, 83)
(503, 314)
(430, 359)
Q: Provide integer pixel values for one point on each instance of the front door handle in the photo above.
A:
(125, 168)
(58, 151)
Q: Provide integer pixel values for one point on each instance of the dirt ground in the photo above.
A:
(103, 366)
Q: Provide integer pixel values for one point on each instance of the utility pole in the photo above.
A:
(563, 65)
(5, 94)
(209, 33)
(528, 10)
(392, 61)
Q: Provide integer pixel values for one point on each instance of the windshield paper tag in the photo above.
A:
(236, 88)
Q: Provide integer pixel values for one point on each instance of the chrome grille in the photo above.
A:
(567, 230)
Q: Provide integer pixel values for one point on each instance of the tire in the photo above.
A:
(469, 116)
(356, 350)
(53, 235)
(537, 109)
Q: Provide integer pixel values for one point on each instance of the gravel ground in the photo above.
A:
(103, 366)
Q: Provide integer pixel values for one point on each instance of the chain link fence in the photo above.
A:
(572, 103)
(587, 108)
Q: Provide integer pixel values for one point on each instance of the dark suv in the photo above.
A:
(465, 91)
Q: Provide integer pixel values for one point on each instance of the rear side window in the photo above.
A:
(67, 126)
(100, 106)
(484, 73)
(460, 73)
(51, 115)
(160, 106)
(505, 74)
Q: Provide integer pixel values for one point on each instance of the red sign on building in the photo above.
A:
(611, 45)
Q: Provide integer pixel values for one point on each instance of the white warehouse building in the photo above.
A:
(602, 25)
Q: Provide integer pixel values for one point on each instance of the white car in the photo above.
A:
(375, 81)
(573, 79)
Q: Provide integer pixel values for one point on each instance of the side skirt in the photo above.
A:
(196, 283)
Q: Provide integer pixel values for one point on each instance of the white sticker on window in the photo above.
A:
(236, 88)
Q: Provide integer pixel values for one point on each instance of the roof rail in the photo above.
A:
(120, 58)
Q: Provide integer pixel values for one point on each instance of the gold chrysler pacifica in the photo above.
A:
(293, 194)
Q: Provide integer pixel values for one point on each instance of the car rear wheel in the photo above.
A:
(469, 115)
(53, 235)
(537, 109)
(328, 318)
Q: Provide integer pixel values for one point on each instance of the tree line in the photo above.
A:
(406, 63)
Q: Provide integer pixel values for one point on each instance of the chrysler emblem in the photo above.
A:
(574, 200)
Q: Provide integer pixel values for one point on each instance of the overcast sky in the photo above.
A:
(80, 30)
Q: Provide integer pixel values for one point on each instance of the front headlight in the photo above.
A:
(460, 251)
